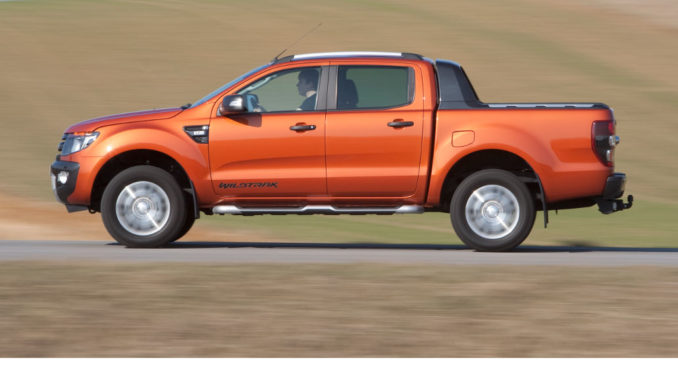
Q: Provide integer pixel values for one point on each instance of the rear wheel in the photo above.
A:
(143, 207)
(492, 210)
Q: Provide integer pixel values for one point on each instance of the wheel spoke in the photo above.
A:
(495, 214)
(503, 224)
(478, 196)
(127, 188)
(150, 218)
(143, 208)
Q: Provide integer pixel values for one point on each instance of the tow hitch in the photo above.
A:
(607, 206)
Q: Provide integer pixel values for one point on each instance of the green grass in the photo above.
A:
(64, 61)
(646, 224)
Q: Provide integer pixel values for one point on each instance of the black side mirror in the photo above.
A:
(233, 104)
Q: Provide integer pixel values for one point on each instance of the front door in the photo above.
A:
(277, 148)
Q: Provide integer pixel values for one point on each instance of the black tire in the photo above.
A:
(492, 210)
(188, 223)
(143, 206)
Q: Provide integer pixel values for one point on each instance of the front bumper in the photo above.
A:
(610, 202)
(64, 176)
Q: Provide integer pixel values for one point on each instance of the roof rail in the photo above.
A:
(308, 56)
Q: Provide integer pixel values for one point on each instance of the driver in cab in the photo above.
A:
(307, 87)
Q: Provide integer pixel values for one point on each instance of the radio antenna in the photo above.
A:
(295, 42)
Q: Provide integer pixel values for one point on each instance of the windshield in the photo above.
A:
(226, 86)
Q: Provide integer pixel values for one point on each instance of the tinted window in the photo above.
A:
(370, 87)
(286, 90)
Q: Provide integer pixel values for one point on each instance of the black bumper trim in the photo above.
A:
(609, 202)
(615, 186)
(62, 191)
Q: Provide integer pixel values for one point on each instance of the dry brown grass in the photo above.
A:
(100, 310)
(35, 219)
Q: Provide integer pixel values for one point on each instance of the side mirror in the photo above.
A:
(233, 104)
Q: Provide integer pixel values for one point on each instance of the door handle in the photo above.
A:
(400, 124)
(302, 127)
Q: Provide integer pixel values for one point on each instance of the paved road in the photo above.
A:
(249, 252)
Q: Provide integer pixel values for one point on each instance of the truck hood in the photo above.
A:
(139, 116)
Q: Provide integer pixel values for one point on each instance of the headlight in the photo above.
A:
(77, 142)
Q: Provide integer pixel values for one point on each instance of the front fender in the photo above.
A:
(170, 140)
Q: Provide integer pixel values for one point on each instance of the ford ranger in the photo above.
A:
(342, 133)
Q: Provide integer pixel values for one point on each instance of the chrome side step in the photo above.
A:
(317, 209)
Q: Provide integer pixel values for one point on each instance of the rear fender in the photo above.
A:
(490, 137)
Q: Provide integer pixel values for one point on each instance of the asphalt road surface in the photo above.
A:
(273, 252)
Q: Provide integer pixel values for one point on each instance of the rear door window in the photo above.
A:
(374, 87)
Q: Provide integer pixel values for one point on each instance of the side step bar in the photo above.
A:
(316, 209)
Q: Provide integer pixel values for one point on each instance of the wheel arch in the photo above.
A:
(136, 157)
(494, 159)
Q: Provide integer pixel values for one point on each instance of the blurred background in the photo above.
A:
(64, 61)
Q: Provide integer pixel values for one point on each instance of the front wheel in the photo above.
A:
(188, 223)
(492, 210)
(143, 207)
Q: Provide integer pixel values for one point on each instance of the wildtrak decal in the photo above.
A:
(247, 185)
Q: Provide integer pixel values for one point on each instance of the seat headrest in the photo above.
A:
(347, 95)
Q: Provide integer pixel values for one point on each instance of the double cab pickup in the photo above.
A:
(342, 133)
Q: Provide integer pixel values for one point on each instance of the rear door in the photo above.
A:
(374, 129)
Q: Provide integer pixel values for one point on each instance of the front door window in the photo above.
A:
(284, 91)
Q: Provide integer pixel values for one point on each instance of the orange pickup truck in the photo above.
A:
(342, 133)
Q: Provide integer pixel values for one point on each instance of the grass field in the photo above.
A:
(65, 61)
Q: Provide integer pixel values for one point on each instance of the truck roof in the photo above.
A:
(350, 54)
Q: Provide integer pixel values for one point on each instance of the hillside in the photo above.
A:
(66, 61)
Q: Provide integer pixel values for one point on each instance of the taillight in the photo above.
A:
(603, 141)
